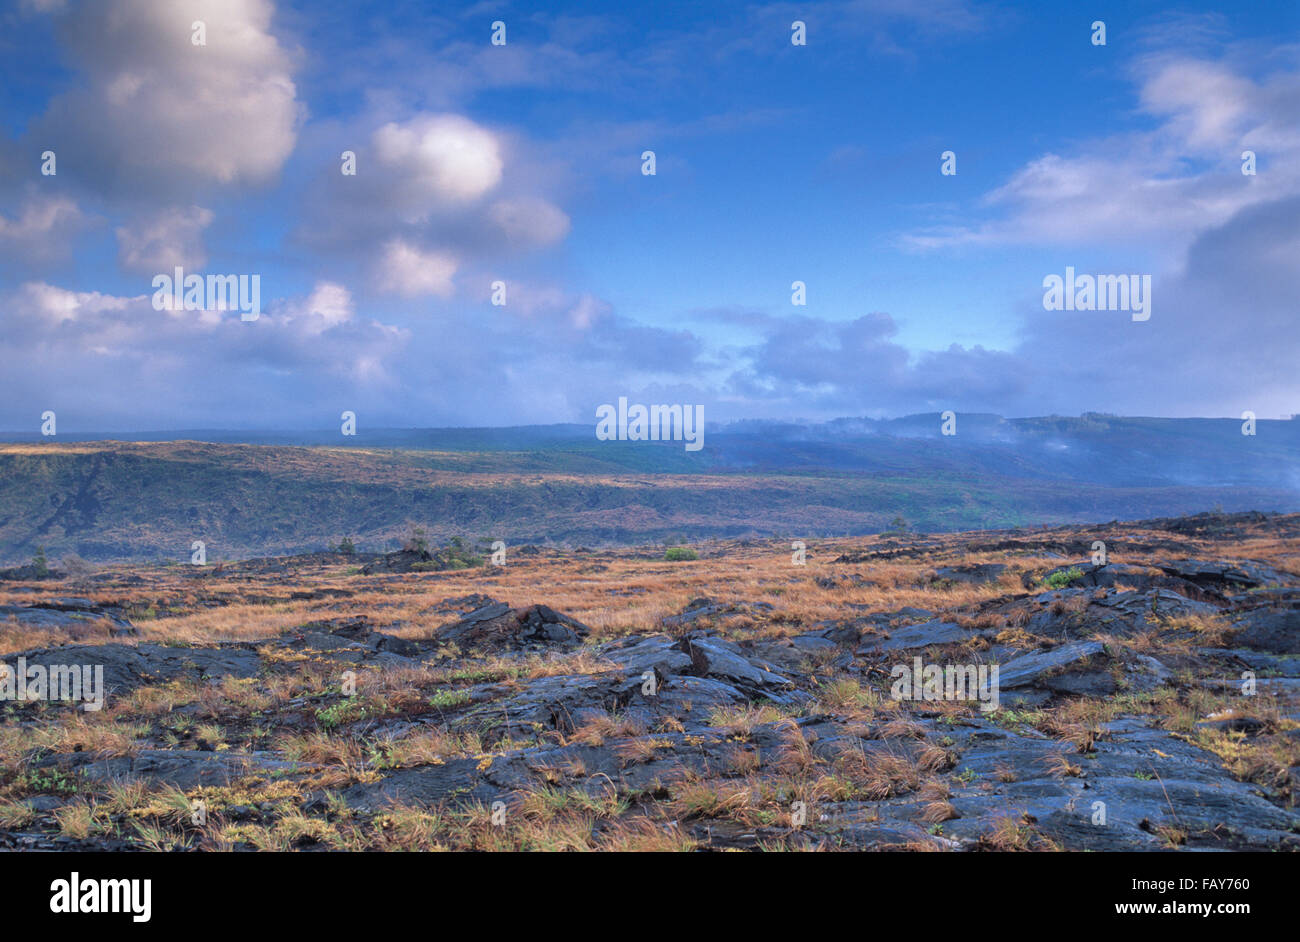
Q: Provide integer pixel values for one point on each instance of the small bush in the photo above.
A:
(1059, 580)
(345, 711)
(449, 698)
(679, 553)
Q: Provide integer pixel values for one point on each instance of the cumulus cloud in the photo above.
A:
(1221, 340)
(424, 177)
(433, 195)
(163, 240)
(443, 203)
(309, 356)
(1229, 245)
(809, 366)
(408, 270)
(42, 229)
(436, 159)
(53, 305)
(153, 108)
(100, 358)
(328, 306)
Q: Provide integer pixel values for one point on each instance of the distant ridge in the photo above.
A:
(260, 495)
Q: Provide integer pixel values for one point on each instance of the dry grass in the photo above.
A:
(15, 815)
(104, 738)
(76, 819)
(1059, 765)
(877, 776)
(320, 746)
(647, 836)
(1012, 833)
(849, 697)
(743, 719)
(595, 730)
(566, 807)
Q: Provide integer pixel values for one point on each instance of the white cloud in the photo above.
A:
(164, 240)
(408, 270)
(434, 195)
(328, 305)
(153, 103)
(42, 228)
(1205, 104)
(438, 159)
(102, 358)
(57, 305)
(1161, 187)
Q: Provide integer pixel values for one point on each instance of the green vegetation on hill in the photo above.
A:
(123, 501)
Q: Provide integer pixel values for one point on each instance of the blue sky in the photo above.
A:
(521, 163)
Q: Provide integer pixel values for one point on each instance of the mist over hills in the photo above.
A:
(265, 492)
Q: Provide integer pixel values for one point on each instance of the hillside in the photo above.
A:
(111, 500)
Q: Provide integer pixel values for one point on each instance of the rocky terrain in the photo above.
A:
(1147, 700)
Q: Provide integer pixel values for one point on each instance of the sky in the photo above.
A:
(521, 163)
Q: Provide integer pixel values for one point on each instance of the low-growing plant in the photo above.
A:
(449, 698)
(1059, 580)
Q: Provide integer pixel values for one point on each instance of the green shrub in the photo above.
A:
(460, 556)
(679, 553)
(449, 698)
(345, 711)
(1059, 580)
